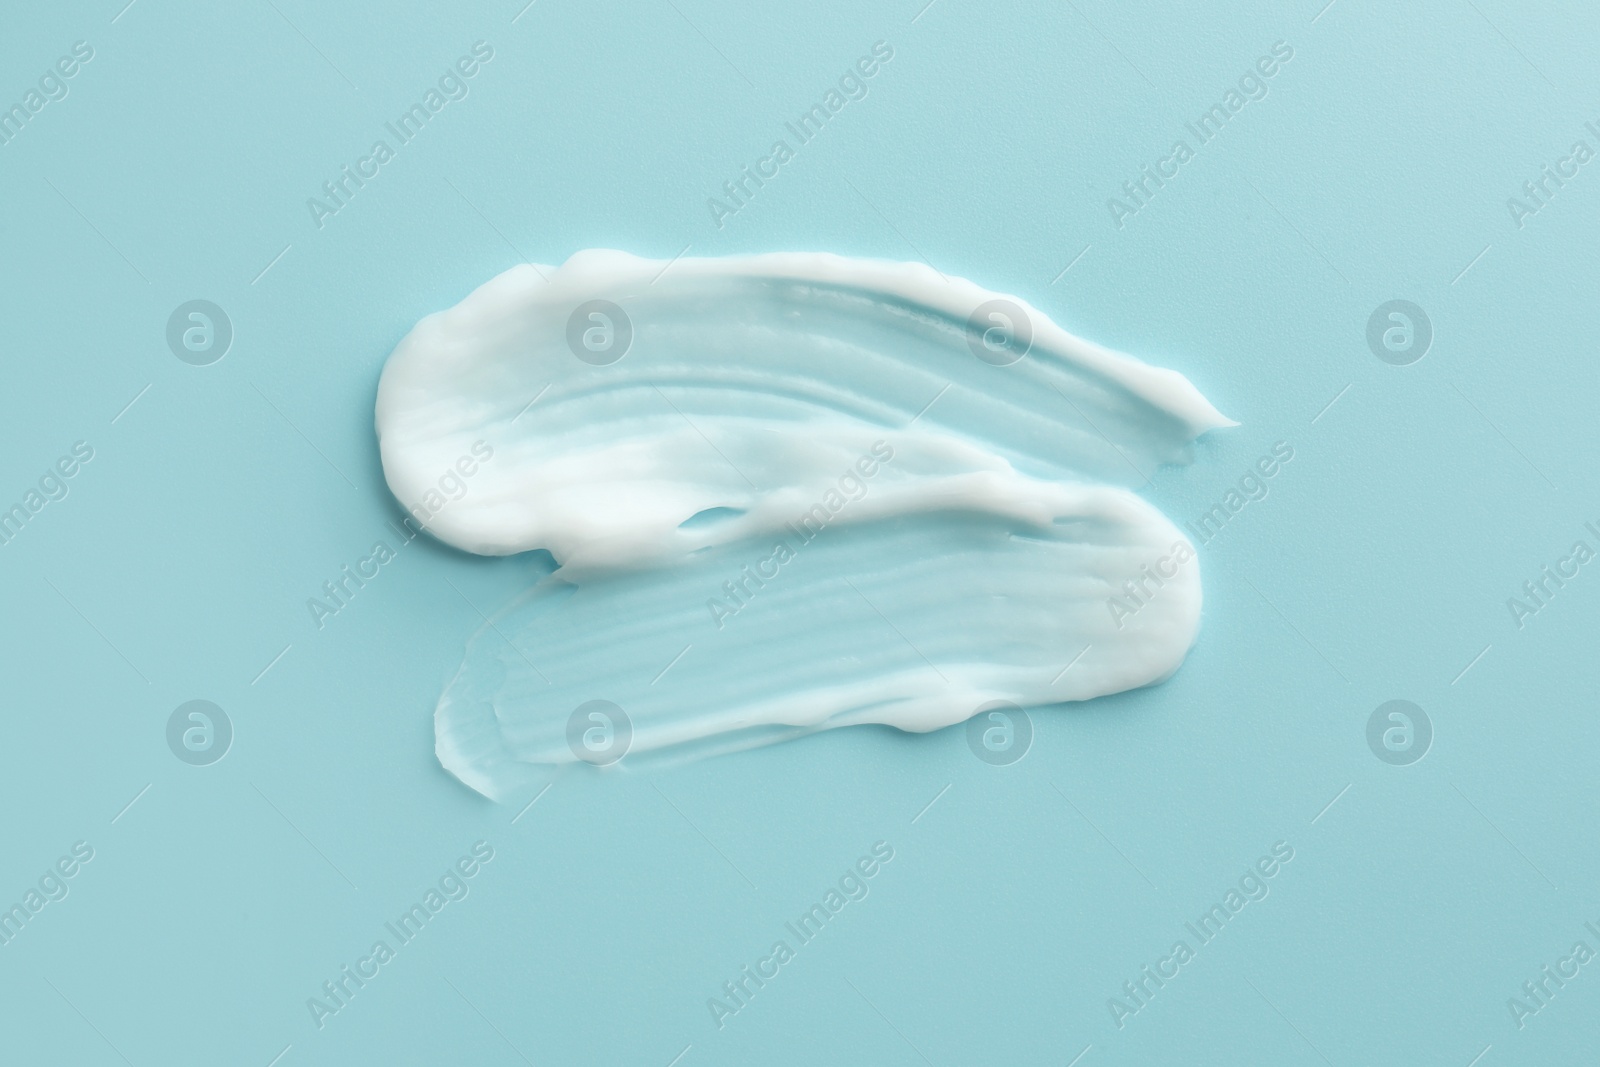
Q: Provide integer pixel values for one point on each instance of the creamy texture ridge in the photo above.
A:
(784, 492)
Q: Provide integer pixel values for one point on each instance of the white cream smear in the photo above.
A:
(784, 492)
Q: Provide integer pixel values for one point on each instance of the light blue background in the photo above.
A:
(1378, 568)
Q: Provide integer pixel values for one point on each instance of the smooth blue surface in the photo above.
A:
(1377, 167)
